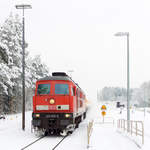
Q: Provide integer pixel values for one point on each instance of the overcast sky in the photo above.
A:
(79, 35)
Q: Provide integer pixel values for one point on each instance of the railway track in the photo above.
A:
(34, 142)
(59, 142)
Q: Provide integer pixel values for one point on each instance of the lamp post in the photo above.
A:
(128, 87)
(23, 7)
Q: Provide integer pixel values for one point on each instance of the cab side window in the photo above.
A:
(77, 93)
(72, 92)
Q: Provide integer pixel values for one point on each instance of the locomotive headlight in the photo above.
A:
(52, 101)
(67, 115)
(37, 115)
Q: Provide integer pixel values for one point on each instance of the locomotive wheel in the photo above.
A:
(63, 133)
(77, 125)
(70, 132)
(84, 115)
(46, 133)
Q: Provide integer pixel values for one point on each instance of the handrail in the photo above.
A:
(90, 128)
(133, 127)
(89, 132)
(106, 120)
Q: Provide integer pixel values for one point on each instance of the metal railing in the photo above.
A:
(89, 132)
(135, 127)
(106, 120)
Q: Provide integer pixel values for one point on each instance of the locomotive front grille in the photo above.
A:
(52, 120)
(52, 123)
(64, 122)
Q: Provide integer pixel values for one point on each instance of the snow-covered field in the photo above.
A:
(104, 136)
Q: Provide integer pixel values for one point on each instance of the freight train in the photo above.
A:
(59, 105)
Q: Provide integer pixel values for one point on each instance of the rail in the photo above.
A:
(32, 143)
(89, 132)
(135, 127)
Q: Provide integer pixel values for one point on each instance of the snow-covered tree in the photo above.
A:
(138, 96)
(10, 35)
(4, 69)
(112, 94)
(35, 69)
(11, 66)
(5, 77)
(145, 88)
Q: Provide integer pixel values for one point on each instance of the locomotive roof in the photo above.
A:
(64, 78)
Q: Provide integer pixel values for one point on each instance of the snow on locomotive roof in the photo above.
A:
(66, 78)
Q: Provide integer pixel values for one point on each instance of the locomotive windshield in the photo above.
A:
(43, 89)
(62, 89)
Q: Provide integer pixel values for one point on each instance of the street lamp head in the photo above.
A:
(122, 34)
(23, 6)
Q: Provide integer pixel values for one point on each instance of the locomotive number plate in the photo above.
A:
(53, 107)
(52, 116)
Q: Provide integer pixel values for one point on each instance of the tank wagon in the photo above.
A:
(58, 105)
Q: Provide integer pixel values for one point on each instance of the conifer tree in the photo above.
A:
(11, 67)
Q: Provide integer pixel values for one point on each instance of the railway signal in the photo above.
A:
(103, 109)
(103, 113)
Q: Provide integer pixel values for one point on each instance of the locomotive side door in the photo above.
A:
(77, 99)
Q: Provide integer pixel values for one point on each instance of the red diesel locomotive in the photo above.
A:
(58, 105)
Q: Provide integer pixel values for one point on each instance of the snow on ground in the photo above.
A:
(104, 136)
(113, 138)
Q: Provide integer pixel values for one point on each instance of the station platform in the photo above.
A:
(106, 137)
